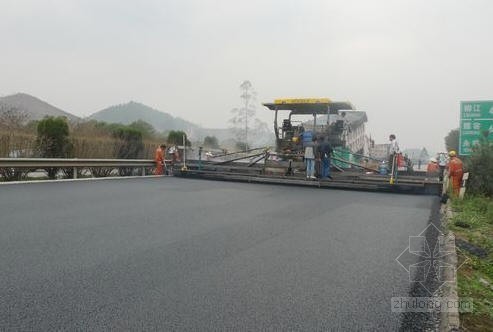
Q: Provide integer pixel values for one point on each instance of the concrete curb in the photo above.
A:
(449, 318)
(81, 179)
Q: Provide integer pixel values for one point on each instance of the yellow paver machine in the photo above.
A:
(292, 132)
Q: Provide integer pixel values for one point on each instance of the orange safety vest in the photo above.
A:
(455, 167)
(159, 159)
(159, 155)
(432, 168)
(456, 171)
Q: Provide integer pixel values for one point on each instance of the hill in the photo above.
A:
(133, 111)
(34, 108)
(161, 121)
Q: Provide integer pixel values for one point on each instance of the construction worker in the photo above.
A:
(323, 154)
(455, 172)
(442, 164)
(175, 154)
(310, 150)
(432, 169)
(159, 159)
(175, 157)
(393, 152)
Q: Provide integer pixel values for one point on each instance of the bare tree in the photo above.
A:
(241, 116)
(12, 118)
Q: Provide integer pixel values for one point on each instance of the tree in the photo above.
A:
(262, 135)
(53, 140)
(132, 146)
(480, 167)
(12, 118)
(211, 142)
(452, 140)
(423, 156)
(241, 146)
(241, 120)
(175, 137)
(12, 121)
(145, 128)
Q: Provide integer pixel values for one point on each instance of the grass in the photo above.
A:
(473, 223)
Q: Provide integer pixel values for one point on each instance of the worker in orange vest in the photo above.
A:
(159, 159)
(455, 171)
(432, 169)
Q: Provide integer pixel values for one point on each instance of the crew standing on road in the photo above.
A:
(175, 158)
(324, 152)
(442, 164)
(159, 159)
(310, 158)
(393, 151)
(432, 169)
(455, 172)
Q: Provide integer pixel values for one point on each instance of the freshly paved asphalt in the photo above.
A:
(168, 253)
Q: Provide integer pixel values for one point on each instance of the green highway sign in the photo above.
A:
(476, 109)
(476, 121)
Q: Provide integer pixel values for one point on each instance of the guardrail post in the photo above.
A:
(75, 172)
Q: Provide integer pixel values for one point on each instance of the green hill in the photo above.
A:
(133, 111)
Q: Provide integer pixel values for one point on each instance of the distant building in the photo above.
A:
(355, 134)
(380, 151)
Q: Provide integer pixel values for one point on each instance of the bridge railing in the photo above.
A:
(74, 163)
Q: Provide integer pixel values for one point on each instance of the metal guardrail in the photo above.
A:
(37, 163)
(73, 162)
(34, 163)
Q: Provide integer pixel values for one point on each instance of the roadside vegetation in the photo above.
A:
(472, 225)
(56, 137)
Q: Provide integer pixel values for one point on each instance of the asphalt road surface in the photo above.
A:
(169, 253)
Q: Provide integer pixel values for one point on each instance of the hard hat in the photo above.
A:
(452, 153)
(295, 139)
(433, 160)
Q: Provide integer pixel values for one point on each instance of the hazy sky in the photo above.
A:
(407, 63)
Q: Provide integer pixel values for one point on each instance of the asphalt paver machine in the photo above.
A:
(292, 133)
(298, 120)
